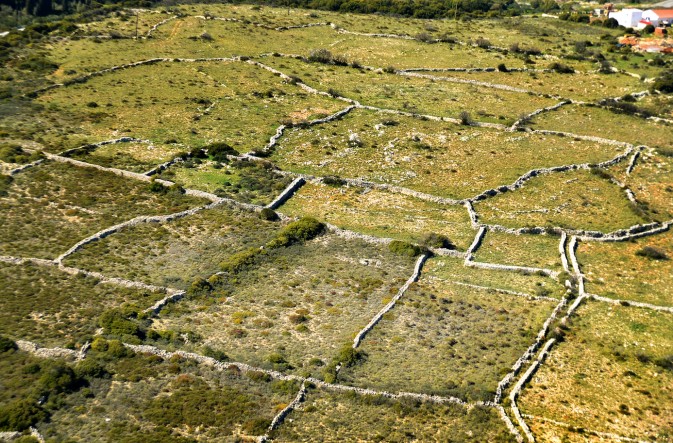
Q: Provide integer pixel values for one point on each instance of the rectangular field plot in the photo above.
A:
(579, 86)
(151, 399)
(295, 308)
(612, 373)
(594, 121)
(538, 251)
(191, 103)
(438, 158)
(245, 181)
(135, 157)
(51, 207)
(43, 304)
(381, 213)
(453, 271)
(447, 339)
(416, 95)
(175, 253)
(574, 200)
(641, 270)
(332, 417)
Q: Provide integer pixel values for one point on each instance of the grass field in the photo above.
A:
(297, 307)
(539, 251)
(324, 416)
(145, 397)
(176, 253)
(447, 339)
(136, 157)
(453, 270)
(599, 122)
(53, 308)
(605, 375)
(245, 181)
(574, 200)
(279, 291)
(190, 103)
(417, 95)
(380, 213)
(51, 207)
(623, 271)
(439, 158)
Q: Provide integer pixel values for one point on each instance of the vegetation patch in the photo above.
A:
(637, 270)
(179, 252)
(51, 207)
(343, 417)
(616, 374)
(136, 157)
(53, 308)
(324, 292)
(381, 213)
(449, 340)
(573, 200)
(438, 158)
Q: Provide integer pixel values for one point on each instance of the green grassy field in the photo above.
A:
(262, 288)
(605, 375)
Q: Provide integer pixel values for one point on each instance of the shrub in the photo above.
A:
(320, 56)
(113, 321)
(200, 286)
(424, 37)
(560, 68)
(404, 248)
(653, 253)
(219, 151)
(433, 240)
(21, 414)
(5, 183)
(665, 362)
(389, 70)
(465, 118)
(6, 344)
(216, 354)
(502, 68)
(332, 180)
(664, 83)
(89, 368)
(239, 261)
(268, 215)
(483, 43)
(302, 230)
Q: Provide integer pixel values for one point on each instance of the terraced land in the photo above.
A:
(268, 224)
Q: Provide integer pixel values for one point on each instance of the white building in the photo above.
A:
(627, 18)
(659, 16)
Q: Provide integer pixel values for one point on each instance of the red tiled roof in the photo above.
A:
(664, 13)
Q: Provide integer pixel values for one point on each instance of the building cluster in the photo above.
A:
(639, 19)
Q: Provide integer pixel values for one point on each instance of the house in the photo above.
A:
(658, 17)
(627, 18)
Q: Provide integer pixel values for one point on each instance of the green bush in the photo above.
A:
(404, 248)
(433, 240)
(561, 68)
(6, 344)
(200, 286)
(239, 261)
(90, 368)
(5, 183)
(268, 215)
(219, 151)
(653, 253)
(114, 322)
(21, 414)
(664, 83)
(302, 230)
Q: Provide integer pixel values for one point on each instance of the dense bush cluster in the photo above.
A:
(405, 248)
